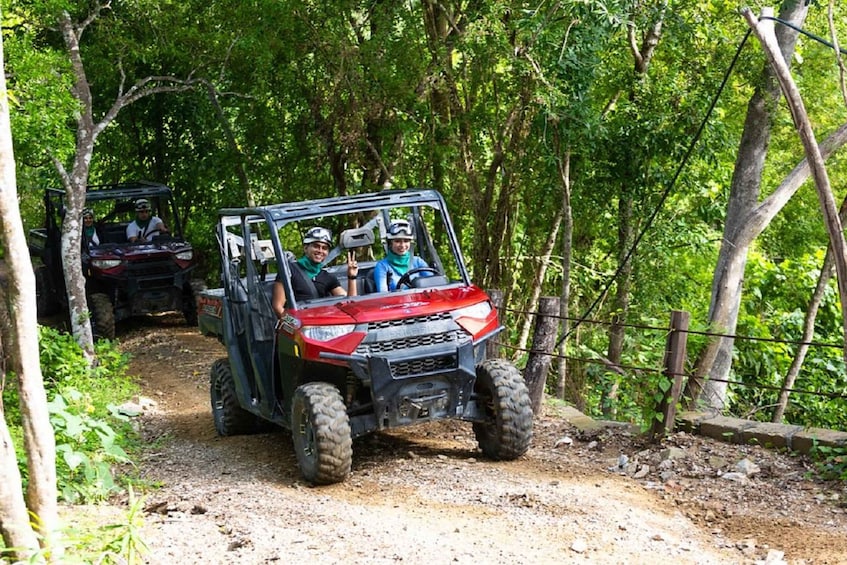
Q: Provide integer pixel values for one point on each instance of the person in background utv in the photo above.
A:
(308, 278)
(89, 230)
(144, 227)
(399, 259)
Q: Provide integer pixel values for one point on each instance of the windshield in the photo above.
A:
(396, 248)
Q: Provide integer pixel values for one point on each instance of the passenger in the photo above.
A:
(308, 278)
(144, 227)
(399, 259)
(89, 230)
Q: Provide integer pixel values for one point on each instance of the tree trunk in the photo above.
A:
(14, 519)
(75, 185)
(538, 278)
(21, 343)
(564, 167)
(765, 32)
(543, 342)
(745, 220)
(642, 54)
(621, 300)
(76, 182)
(808, 333)
(240, 158)
(808, 327)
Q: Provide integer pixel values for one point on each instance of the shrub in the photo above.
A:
(91, 436)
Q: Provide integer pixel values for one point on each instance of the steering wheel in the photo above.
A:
(406, 279)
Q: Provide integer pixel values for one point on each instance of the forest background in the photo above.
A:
(555, 130)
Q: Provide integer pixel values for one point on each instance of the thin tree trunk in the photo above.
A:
(75, 182)
(642, 54)
(746, 218)
(808, 333)
(21, 343)
(538, 279)
(564, 168)
(765, 32)
(14, 519)
(240, 169)
(621, 300)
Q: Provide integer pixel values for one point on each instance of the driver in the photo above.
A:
(308, 278)
(145, 226)
(399, 259)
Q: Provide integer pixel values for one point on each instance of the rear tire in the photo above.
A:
(189, 301)
(320, 428)
(46, 303)
(501, 391)
(230, 418)
(102, 316)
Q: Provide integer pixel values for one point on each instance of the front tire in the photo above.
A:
(189, 301)
(506, 432)
(102, 316)
(320, 429)
(230, 418)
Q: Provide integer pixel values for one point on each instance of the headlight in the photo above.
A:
(185, 255)
(104, 264)
(326, 333)
(479, 310)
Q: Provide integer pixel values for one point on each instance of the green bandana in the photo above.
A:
(400, 263)
(89, 232)
(312, 269)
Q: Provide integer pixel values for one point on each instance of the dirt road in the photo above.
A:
(427, 496)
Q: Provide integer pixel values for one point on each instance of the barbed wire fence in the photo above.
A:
(673, 364)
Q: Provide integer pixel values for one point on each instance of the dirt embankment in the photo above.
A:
(425, 494)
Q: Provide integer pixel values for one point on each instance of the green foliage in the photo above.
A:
(779, 293)
(91, 436)
(118, 543)
(830, 462)
(122, 543)
(483, 103)
(86, 449)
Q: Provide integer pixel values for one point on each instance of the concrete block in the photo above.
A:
(725, 429)
(804, 440)
(770, 435)
(579, 420)
(689, 421)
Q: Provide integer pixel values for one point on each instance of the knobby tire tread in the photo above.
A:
(507, 433)
(321, 433)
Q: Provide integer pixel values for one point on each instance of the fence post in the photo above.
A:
(675, 352)
(540, 358)
(492, 346)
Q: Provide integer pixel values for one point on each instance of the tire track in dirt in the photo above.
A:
(422, 494)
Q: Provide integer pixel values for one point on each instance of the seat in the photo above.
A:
(356, 237)
(112, 233)
(365, 284)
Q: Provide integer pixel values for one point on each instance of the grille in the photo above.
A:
(418, 333)
(419, 366)
(410, 321)
(152, 267)
(408, 342)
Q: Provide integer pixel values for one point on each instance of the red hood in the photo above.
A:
(131, 252)
(392, 306)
